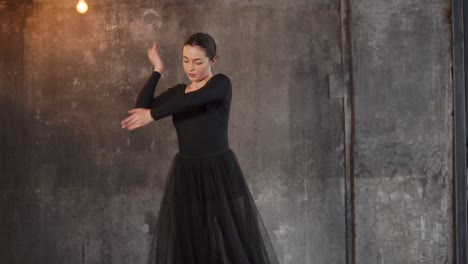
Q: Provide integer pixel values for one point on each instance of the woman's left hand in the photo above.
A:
(139, 117)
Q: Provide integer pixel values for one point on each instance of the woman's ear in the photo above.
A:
(214, 60)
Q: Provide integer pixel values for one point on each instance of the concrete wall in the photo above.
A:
(401, 52)
(76, 188)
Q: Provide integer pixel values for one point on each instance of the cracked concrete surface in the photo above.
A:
(403, 151)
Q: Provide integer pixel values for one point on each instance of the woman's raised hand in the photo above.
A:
(153, 56)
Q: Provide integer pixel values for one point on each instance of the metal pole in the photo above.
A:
(460, 188)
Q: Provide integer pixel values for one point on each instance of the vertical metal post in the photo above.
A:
(348, 113)
(459, 15)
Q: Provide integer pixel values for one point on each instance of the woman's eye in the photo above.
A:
(185, 61)
(198, 63)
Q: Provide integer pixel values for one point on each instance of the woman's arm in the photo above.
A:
(140, 115)
(145, 97)
(214, 90)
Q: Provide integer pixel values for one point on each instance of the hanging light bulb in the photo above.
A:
(82, 7)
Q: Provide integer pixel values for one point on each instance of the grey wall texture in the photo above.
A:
(403, 131)
(76, 188)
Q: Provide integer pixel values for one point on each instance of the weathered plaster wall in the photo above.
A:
(76, 188)
(401, 54)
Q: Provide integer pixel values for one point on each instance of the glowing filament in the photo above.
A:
(82, 7)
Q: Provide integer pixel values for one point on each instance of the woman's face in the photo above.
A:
(196, 64)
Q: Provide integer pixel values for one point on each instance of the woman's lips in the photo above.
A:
(191, 75)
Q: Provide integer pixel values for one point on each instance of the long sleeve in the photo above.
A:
(215, 89)
(146, 97)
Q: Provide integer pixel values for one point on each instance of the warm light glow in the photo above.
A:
(82, 7)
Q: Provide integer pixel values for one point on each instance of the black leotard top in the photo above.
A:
(200, 117)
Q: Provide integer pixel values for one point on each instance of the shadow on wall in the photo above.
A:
(65, 199)
(41, 164)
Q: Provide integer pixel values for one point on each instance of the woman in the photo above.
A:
(207, 214)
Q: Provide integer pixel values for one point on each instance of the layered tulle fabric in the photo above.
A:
(207, 215)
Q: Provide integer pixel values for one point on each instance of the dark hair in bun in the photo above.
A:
(205, 41)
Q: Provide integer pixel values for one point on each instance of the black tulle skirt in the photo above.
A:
(208, 216)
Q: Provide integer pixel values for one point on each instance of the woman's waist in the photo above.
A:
(202, 145)
(203, 153)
